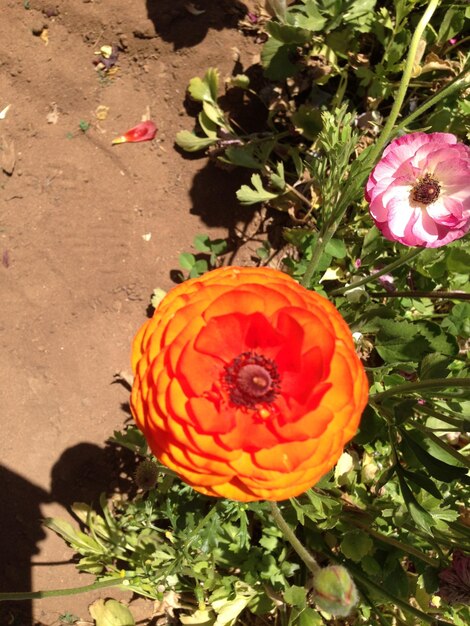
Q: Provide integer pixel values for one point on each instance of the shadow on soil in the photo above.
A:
(185, 23)
(81, 474)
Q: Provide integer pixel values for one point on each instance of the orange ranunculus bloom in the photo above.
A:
(247, 384)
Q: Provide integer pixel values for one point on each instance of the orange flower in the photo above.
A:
(247, 385)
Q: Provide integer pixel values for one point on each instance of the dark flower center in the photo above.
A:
(251, 379)
(426, 190)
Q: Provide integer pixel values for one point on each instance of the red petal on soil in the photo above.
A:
(145, 131)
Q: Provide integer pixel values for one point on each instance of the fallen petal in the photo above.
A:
(145, 131)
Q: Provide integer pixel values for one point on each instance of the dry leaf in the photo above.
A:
(101, 112)
(53, 116)
(7, 155)
(45, 36)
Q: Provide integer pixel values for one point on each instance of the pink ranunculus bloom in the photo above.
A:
(419, 191)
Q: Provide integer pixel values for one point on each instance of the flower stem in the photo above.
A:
(289, 534)
(385, 270)
(459, 83)
(432, 295)
(51, 593)
(423, 385)
(406, 608)
(405, 81)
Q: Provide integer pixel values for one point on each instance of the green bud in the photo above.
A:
(334, 591)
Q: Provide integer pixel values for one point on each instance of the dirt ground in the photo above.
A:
(87, 231)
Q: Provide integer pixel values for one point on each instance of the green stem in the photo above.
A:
(407, 549)
(51, 593)
(289, 534)
(459, 83)
(407, 608)
(320, 245)
(405, 80)
(385, 270)
(423, 385)
(432, 295)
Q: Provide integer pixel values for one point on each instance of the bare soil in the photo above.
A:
(87, 231)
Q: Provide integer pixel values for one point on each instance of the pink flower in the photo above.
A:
(419, 191)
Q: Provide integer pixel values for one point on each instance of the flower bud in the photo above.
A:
(334, 591)
(146, 475)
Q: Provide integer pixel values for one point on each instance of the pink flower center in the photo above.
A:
(426, 190)
(250, 379)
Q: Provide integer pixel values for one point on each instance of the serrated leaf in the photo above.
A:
(190, 142)
(356, 544)
(458, 260)
(277, 178)
(434, 365)
(337, 248)
(248, 195)
(251, 155)
(275, 59)
(296, 596)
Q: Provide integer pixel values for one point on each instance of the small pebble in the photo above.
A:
(37, 27)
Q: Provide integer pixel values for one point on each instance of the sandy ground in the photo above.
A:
(87, 231)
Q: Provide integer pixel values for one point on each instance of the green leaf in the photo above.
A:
(190, 142)
(287, 34)
(307, 119)
(451, 25)
(213, 113)
(423, 481)
(111, 613)
(208, 126)
(251, 155)
(248, 195)
(296, 596)
(438, 469)
(275, 58)
(202, 243)
(398, 341)
(309, 17)
(187, 260)
(458, 260)
(242, 81)
(356, 544)
(419, 514)
(277, 178)
(458, 320)
(309, 617)
(439, 341)
(434, 365)
(337, 248)
(206, 89)
(200, 267)
(78, 540)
